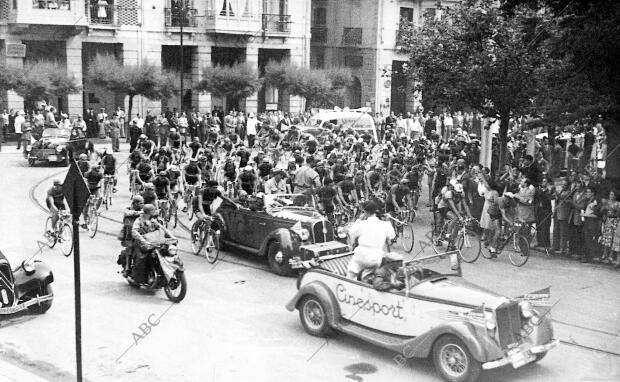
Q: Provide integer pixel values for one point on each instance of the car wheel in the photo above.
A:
(313, 316)
(278, 262)
(453, 360)
(44, 306)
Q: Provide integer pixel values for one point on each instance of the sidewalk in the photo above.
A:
(11, 373)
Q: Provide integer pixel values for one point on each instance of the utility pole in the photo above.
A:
(183, 18)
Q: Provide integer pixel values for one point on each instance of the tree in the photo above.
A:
(236, 81)
(145, 80)
(36, 81)
(320, 87)
(477, 56)
(587, 40)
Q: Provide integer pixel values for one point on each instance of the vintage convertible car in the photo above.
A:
(55, 145)
(276, 229)
(463, 327)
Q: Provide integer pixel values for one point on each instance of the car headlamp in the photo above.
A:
(29, 148)
(304, 234)
(341, 233)
(489, 319)
(59, 148)
(535, 320)
(29, 267)
(526, 309)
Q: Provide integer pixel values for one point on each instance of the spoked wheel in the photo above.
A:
(175, 216)
(92, 223)
(437, 241)
(468, 244)
(210, 246)
(518, 250)
(177, 287)
(453, 360)
(66, 239)
(49, 234)
(313, 316)
(197, 239)
(406, 238)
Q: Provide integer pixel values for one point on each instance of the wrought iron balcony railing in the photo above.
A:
(101, 14)
(276, 23)
(175, 17)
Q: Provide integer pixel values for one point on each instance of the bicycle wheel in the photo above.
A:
(197, 240)
(518, 250)
(468, 244)
(93, 222)
(407, 238)
(175, 215)
(211, 250)
(49, 233)
(437, 239)
(66, 239)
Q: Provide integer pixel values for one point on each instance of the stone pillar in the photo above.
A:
(75, 101)
(152, 55)
(13, 101)
(251, 58)
(201, 101)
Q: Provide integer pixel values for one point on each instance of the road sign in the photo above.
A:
(75, 190)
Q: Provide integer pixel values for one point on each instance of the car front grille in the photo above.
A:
(322, 231)
(508, 317)
(6, 285)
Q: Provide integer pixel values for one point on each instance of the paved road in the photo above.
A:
(233, 326)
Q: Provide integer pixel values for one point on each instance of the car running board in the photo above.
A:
(385, 340)
(241, 246)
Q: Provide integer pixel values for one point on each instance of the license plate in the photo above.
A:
(52, 158)
(521, 358)
(11, 309)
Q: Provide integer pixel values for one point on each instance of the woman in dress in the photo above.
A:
(610, 239)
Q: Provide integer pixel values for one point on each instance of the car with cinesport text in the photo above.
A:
(277, 227)
(463, 327)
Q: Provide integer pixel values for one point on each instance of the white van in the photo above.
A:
(357, 119)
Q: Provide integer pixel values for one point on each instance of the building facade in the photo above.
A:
(364, 36)
(215, 32)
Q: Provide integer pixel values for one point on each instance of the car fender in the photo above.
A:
(321, 291)
(422, 346)
(25, 283)
(288, 240)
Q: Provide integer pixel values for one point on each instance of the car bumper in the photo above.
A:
(520, 356)
(48, 156)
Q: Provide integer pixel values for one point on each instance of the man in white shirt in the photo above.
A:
(139, 122)
(19, 122)
(251, 129)
(101, 119)
(121, 120)
(372, 236)
(276, 185)
(64, 123)
(79, 123)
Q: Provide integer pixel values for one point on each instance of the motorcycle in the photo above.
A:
(164, 269)
(29, 286)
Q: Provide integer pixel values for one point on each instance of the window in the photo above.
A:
(352, 36)
(406, 14)
(317, 58)
(63, 5)
(319, 16)
(353, 61)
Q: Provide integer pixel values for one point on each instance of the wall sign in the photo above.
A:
(16, 50)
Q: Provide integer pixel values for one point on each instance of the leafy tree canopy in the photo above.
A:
(236, 81)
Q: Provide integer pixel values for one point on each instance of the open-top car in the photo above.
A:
(55, 145)
(463, 327)
(275, 227)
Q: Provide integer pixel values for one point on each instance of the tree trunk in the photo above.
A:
(612, 161)
(504, 123)
(129, 107)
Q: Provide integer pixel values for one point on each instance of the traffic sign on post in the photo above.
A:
(75, 190)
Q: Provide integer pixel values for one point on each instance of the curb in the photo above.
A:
(12, 373)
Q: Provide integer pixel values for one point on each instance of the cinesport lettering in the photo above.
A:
(371, 306)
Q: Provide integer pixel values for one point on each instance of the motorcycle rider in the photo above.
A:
(129, 217)
(147, 223)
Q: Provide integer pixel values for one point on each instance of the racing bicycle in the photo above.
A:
(108, 189)
(466, 240)
(188, 194)
(163, 205)
(403, 229)
(512, 242)
(205, 240)
(92, 214)
(61, 233)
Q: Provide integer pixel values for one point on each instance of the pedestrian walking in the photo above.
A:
(17, 126)
(102, 116)
(121, 120)
(115, 132)
(251, 128)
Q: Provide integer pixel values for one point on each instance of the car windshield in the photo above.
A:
(276, 202)
(55, 132)
(434, 266)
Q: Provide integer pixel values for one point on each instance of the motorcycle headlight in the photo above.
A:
(59, 148)
(526, 309)
(341, 233)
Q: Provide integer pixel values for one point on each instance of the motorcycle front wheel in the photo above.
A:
(176, 287)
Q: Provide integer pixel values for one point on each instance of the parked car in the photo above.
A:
(464, 328)
(276, 229)
(55, 144)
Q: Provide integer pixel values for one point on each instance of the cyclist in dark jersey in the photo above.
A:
(93, 179)
(346, 192)
(55, 201)
(108, 161)
(173, 175)
(195, 146)
(327, 195)
(162, 185)
(399, 197)
(191, 173)
(175, 138)
(202, 203)
(145, 171)
(83, 164)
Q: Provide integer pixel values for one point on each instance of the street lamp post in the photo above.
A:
(183, 18)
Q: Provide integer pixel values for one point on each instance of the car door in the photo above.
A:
(241, 224)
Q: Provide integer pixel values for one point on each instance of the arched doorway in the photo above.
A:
(353, 98)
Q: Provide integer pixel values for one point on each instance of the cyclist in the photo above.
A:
(145, 171)
(191, 176)
(399, 197)
(108, 161)
(83, 164)
(149, 195)
(326, 195)
(93, 178)
(247, 180)
(202, 203)
(374, 181)
(55, 201)
(175, 138)
(162, 159)
(174, 174)
(134, 159)
(195, 146)
(452, 207)
(346, 194)
(146, 145)
(162, 185)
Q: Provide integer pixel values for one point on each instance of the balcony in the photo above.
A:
(234, 17)
(276, 24)
(318, 35)
(175, 17)
(48, 12)
(104, 15)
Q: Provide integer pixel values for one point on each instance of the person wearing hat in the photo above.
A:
(370, 238)
(83, 164)
(55, 201)
(129, 217)
(247, 180)
(147, 223)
